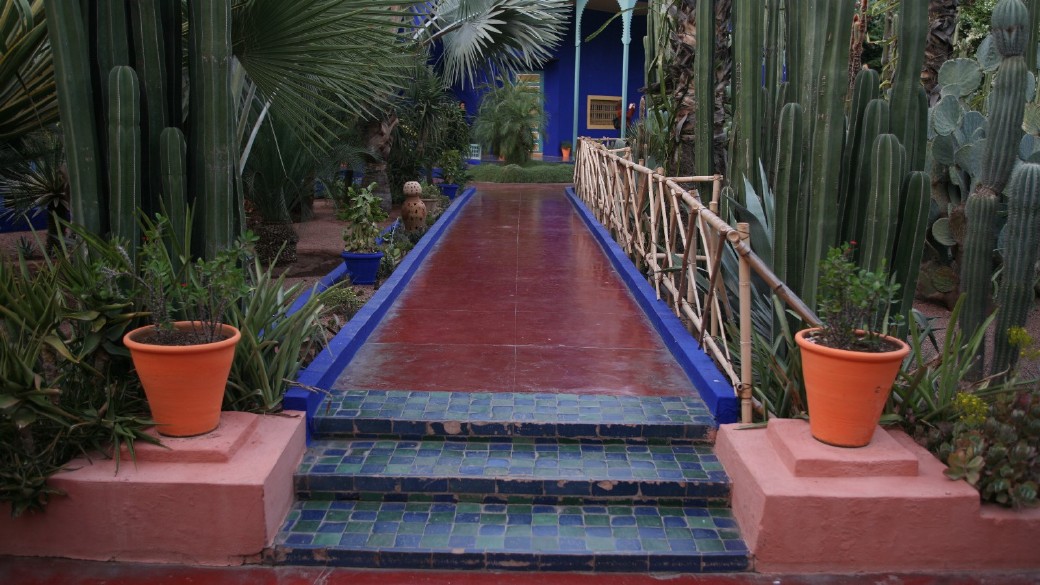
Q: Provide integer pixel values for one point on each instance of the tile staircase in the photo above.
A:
(512, 481)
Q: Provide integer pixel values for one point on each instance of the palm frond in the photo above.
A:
(505, 36)
(28, 99)
(313, 59)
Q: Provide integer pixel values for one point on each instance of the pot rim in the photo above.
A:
(863, 356)
(134, 345)
(360, 255)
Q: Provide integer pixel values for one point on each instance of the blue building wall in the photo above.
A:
(601, 61)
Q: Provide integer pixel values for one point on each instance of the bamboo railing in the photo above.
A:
(679, 242)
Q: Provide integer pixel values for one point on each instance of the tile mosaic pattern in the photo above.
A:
(344, 468)
(514, 536)
(416, 414)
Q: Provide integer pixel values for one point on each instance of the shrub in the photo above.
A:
(532, 173)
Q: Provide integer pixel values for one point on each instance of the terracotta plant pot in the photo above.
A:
(847, 390)
(566, 152)
(184, 384)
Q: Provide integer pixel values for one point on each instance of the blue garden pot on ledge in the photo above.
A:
(449, 190)
(362, 267)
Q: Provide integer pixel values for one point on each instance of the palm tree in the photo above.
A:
(27, 97)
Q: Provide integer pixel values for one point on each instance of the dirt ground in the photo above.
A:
(321, 242)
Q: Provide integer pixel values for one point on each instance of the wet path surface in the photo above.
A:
(517, 297)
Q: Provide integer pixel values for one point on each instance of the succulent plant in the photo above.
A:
(999, 456)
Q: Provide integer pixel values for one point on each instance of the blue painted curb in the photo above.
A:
(326, 367)
(712, 385)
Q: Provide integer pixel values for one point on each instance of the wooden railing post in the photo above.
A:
(744, 280)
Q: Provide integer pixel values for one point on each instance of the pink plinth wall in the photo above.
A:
(806, 507)
(218, 499)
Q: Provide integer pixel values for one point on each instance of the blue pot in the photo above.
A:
(361, 266)
(450, 190)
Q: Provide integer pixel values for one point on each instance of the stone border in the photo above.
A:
(711, 384)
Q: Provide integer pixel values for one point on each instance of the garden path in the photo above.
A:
(517, 297)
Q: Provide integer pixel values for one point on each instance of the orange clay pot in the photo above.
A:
(566, 152)
(184, 384)
(846, 389)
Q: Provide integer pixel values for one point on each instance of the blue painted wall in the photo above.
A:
(601, 60)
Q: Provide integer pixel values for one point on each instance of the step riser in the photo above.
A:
(352, 488)
(496, 499)
(718, 563)
(332, 428)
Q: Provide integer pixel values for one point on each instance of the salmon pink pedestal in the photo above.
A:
(218, 499)
(807, 507)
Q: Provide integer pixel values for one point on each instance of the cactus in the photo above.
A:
(888, 159)
(908, 96)
(875, 123)
(704, 161)
(745, 147)
(1021, 252)
(913, 227)
(150, 64)
(212, 166)
(124, 154)
(174, 172)
(70, 49)
(1007, 105)
(828, 136)
(789, 219)
(865, 90)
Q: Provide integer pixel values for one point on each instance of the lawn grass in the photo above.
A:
(534, 172)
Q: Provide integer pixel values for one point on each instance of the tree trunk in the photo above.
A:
(942, 22)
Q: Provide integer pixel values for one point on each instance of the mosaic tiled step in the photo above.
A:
(500, 469)
(409, 414)
(511, 537)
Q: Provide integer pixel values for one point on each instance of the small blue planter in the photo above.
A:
(362, 267)
(449, 190)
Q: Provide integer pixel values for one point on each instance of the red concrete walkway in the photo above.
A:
(517, 297)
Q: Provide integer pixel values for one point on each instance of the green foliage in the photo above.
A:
(854, 303)
(454, 168)
(273, 341)
(510, 113)
(66, 386)
(431, 123)
(201, 291)
(531, 173)
(363, 214)
(396, 243)
(341, 300)
(999, 455)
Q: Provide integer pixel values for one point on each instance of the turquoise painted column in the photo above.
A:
(579, 8)
(627, 8)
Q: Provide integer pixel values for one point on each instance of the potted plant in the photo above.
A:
(183, 365)
(361, 250)
(849, 363)
(453, 168)
(565, 150)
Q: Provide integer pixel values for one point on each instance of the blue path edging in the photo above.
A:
(322, 372)
(716, 392)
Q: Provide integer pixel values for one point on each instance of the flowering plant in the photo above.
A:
(854, 304)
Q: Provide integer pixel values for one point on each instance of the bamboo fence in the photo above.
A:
(679, 243)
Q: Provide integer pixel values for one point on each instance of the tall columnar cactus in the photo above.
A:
(888, 160)
(71, 51)
(174, 172)
(1021, 252)
(212, 121)
(789, 219)
(704, 96)
(865, 90)
(1004, 132)
(124, 153)
(745, 148)
(913, 226)
(875, 123)
(148, 39)
(828, 136)
(909, 101)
